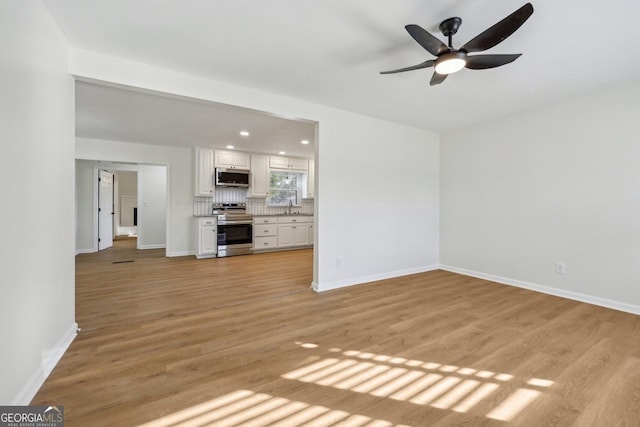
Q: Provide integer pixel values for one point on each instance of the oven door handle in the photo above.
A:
(234, 222)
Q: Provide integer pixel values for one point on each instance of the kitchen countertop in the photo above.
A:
(283, 215)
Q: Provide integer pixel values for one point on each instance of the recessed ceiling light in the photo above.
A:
(244, 133)
(230, 147)
(282, 152)
(304, 142)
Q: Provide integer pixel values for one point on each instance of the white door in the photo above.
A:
(105, 210)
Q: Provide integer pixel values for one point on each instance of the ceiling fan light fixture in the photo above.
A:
(451, 62)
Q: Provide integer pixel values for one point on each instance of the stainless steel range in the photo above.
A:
(235, 229)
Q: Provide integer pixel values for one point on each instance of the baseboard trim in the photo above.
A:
(160, 246)
(576, 296)
(322, 287)
(183, 253)
(85, 251)
(48, 362)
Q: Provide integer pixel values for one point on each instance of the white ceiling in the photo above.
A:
(123, 114)
(330, 51)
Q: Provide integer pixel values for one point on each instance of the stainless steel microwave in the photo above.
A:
(227, 177)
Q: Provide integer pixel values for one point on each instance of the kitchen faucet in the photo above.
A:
(290, 206)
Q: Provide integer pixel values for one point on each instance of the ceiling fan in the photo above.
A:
(449, 60)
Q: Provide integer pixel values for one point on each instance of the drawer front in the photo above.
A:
(265, 220)
(293, 220)
(208, 221)
(270, 242)
(262, 230)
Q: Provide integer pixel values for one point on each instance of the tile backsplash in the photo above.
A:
(258, 206)
(255, 205)
(230, 195)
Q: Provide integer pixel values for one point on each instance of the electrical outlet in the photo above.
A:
(561, 268)
(338, 261)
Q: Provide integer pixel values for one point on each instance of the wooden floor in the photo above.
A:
(242, 341)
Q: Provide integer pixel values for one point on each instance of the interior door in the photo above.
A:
(105, 210)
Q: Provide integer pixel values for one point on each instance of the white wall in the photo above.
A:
(152, 212)
(152, 194)
(556, 184)
(37, 191)
(85, 207)
(172, 227)
(353, 158)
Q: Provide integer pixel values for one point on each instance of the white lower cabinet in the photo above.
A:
(293, 231)
(207, 230)
(285, 235)
(265, 234)
(280, 232)
(300, 234)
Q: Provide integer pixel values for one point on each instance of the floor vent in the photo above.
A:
(122, 262)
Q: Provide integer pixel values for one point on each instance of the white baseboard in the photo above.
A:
(85, 251)
(160, 246)
(321, 287)
(183, 253)
(576, 296)
(49, 360)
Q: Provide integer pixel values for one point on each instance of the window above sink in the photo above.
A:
(285, 188)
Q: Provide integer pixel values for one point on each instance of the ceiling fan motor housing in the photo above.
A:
(450, 26)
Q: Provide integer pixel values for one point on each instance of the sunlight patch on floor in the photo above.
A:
(249, 409)
(441, 386)
(513, 404)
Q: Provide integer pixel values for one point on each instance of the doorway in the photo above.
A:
(125, 219)
(139, 205)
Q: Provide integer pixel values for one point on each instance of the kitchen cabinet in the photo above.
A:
(259, 175)
(285, 235)
(293, 231)
(265, 233)
(231, 159)
(300, 234)
(311, 236)
(280, 232)
(204, 185)
(207, 238)
(293, 163)
(311, 180)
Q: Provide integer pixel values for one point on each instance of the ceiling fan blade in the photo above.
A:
(500, 31)
(482, 62)
(427, 40)
(425, 64)
(436, 79)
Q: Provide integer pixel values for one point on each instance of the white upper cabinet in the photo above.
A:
(259, 175)
(280, 162)
(311, 180)
(231, 160)
(204, 172)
